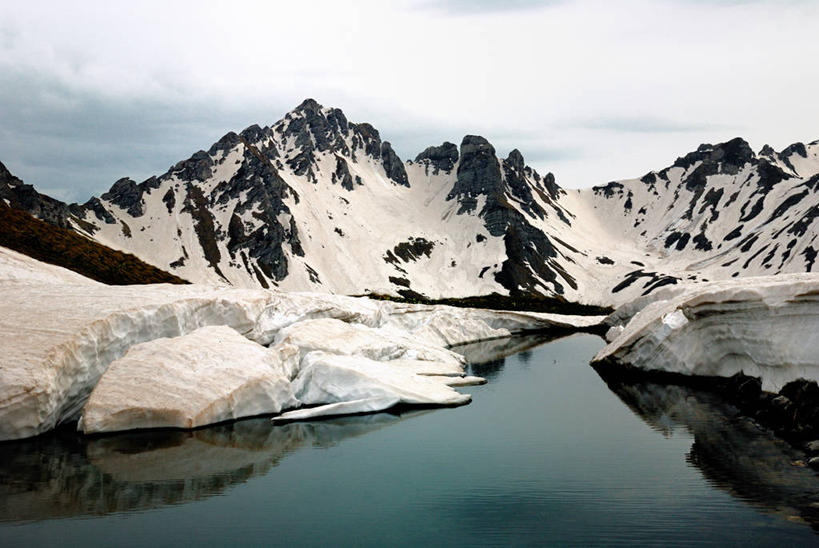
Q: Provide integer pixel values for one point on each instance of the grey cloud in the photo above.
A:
(80, 143)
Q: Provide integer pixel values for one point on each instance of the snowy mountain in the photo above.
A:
(315, 202)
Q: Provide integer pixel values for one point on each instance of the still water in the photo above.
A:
(547, 453)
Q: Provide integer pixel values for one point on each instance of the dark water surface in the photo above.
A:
(547, 453)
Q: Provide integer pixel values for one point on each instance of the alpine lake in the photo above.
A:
(547, 453)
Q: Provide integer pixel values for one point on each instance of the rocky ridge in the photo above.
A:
(316, 202)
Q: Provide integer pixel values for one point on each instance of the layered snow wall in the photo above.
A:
(765, 327)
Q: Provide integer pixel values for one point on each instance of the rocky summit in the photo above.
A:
(316, 202)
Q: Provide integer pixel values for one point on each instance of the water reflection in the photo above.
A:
(731, 451)
(66, 475)
(486, 358)
(545, 452)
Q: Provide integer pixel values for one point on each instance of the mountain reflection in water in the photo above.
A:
(63, 474)
(487, 358)
(731, 451)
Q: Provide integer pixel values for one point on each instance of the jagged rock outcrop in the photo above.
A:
(441, 158)
(22, 196)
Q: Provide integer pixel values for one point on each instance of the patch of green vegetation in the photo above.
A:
(51, 244)
(494, 301)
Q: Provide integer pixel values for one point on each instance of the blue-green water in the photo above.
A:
(546, 453)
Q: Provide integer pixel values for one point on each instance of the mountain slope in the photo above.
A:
(47, 240)
(315, 202)
(721, 211)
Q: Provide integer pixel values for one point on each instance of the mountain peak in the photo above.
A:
(474, 144)
(309, 104)
(515, 159)
(731, 155)
(7, 178)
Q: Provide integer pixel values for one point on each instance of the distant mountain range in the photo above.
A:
(317, 203)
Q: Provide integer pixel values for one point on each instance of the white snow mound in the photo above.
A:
(363, 385)
(208, 376)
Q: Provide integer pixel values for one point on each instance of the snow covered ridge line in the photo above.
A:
(750, 338)
(120, 356)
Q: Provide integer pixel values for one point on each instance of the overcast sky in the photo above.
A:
(591, 90)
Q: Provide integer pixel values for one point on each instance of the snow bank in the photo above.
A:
(60, 333)
(438, 325)
(209, 376)
(347, 384)
(57, 340)
(765, 327)
(347, 339)
(17, 267)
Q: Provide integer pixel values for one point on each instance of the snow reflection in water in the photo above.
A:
(64, 474)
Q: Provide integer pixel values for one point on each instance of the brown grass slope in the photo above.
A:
(52, 244)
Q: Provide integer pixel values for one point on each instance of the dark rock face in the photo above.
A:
(393, 165)
(515, 160)
(251, 134)
(342, 174)
(314, 129)
(366, 138)
(196, 168)
(23, 196)
(732, 155)
(94, 205)
(767, 151)
(409, 251)
(796, 148)
(531, 266)
(441, 158)
(226, 143)
(265, 240)
(609, 190)
(326, 129)
(126, 194)
(478, 173)
(655, 281)
(169, 199)
(196, 204)
(515, 173)
(311, 129)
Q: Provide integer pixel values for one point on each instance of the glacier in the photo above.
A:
(75, 349)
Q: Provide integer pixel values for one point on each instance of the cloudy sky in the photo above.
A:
(592, 90)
